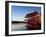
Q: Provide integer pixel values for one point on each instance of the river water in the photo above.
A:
(18, 26)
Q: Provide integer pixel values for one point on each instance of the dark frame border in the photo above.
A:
(7, 17)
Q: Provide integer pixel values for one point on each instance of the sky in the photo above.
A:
(19, 12)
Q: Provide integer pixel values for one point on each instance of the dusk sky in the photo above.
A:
(19, 12)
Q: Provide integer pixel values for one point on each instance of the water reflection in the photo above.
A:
(18, 27)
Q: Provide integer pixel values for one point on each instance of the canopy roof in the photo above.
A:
(31, 14)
